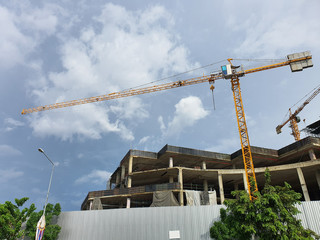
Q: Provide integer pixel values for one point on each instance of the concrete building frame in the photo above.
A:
(141, 173)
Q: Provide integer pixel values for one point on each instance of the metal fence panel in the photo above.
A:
(192, 222)
(310, 215)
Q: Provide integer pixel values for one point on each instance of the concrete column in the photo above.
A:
(204, 165)
(318, 177)
(170, 162)
(180, 179)
(108, 187)
(129, 172)
(90, 207)
(245, 183)
(170, 179)
(205, 185)
(312, 155)
(303, 185)
(123, 175)
(128, 202)
(118, 178)
(130, 164)
(205, 181)
(221, 188)
(170, 166)
(129, 182)
(123, 172)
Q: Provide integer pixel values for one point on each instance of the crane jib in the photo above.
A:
(295, 58)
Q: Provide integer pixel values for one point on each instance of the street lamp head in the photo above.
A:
(40, 150)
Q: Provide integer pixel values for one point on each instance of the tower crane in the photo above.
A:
(297, 62)
(294, 119)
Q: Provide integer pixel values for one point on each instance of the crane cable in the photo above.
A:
(306, 95)
(287, 114)
(260, 60)
(173, 76)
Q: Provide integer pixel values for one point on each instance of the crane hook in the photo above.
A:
(214, 105)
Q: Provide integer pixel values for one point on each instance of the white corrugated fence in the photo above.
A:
(158, 223)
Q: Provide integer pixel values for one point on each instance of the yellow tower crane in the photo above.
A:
(297, 62)
(294, 119)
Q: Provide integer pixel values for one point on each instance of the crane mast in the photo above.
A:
(244, 138)
(297, 62)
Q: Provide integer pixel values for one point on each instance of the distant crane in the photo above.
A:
(297, 62)
(294, 119)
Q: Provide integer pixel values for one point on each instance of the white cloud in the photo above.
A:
(9, 174)
(11, 124)
(131, 48)
(144, 140)
(89, 121)
(40, 20)
(273, 29)
(161, 122)
(97, 177)
(188, 111)
(22, 30)
(6, 150)
(130, 108)
(13, 44)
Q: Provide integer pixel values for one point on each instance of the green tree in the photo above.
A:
(52, 230)
(11, 218)
(270, 217)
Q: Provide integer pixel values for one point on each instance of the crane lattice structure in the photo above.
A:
(297, 62)
(294, 119)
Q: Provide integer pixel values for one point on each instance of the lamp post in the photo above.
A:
(40, 150)
(42, 222)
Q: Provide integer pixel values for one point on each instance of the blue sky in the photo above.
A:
(52, 51)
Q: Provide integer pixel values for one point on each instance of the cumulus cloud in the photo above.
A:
(97, 177)
(9, 174)
(13, 45)
(130, 49)
(188, 111)
(288, 26)
(11, 124)
(89, 121)
(22, 30)
(161, 122)
(130, 108)
(6, 150)
(144, 140)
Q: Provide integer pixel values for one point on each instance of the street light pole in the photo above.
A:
(40, 150)
(42, 221)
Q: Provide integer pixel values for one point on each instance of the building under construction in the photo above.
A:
(177, 176)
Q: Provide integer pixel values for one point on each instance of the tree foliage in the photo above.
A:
(270, 217)
(51, 231)
(12, 217)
